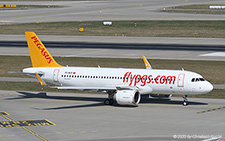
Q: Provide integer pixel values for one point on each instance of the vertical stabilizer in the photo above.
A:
(40, 57)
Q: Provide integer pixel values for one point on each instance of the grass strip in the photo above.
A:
(210, 70)
(204, 29)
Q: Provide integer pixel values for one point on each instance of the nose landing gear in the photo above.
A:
(185, 103)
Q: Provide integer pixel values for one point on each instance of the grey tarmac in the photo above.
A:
(113, 52)
(104, 10)
(80, 116)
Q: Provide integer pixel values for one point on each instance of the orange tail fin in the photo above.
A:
(40, 57)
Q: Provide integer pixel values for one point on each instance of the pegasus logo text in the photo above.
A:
(42, 49)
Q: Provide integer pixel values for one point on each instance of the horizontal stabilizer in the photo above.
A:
(42, 82)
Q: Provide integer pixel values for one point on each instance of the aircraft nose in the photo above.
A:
(209, 87)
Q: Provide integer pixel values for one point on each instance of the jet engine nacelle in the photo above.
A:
(128, 97)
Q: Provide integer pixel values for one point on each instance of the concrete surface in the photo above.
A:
(93, 46)
(84, 117)
(104, 10)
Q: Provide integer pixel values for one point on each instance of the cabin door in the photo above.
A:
(180, 82)
(56, 75)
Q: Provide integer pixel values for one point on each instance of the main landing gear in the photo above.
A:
(110, 100)
(185, 103)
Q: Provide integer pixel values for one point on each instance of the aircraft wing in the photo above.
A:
(105, 88)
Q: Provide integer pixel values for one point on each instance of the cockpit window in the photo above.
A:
(202, 79)
(197, 79)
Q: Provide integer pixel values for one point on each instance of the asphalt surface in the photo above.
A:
(128, 46)
(116, 47)
(85, 117)
(105, 10)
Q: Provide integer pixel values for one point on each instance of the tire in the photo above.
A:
(111, 102)
(107, 102)
(185, 103)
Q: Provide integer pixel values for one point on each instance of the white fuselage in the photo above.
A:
(147, 81)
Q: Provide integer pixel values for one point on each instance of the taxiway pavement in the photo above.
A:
(121, 47)
(104, 10)
(83, 116)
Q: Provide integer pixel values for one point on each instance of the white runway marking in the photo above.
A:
(211, 139)
(219, 54)
(3, 21)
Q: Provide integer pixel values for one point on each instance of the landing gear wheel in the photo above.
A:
(107, 102)
(185, 103)
(111, 102)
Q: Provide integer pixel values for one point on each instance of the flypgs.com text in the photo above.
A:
(147, 79)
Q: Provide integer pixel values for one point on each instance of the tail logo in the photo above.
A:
(42, 49)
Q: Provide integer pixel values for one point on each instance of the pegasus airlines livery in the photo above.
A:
(123, 86)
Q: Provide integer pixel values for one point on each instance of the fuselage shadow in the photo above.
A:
(43, 95)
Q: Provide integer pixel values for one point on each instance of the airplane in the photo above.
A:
(124, 86)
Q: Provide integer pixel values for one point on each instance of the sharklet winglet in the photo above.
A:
(147, 64)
